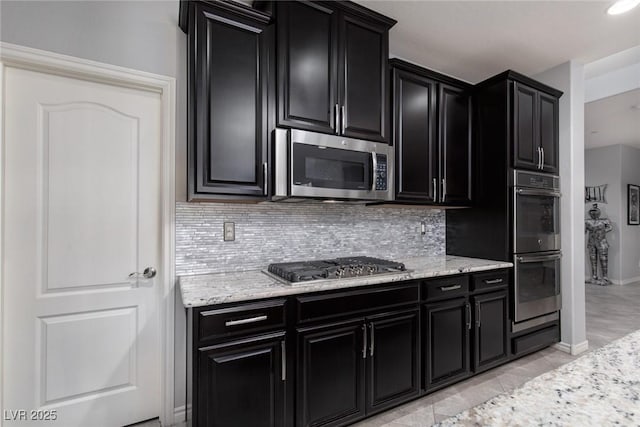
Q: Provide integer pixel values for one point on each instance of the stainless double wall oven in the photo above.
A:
(536, 247)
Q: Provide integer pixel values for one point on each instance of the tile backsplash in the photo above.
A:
(276, 232)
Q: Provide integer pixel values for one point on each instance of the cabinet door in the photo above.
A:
(414, 123)
(307, 66)
(455, 145)
(241, 383)
(525, 130)
(446, 338)
(548, 131)
(491, 343)
(393, 370)
(363, 79)
(227, 107)
(330, 382)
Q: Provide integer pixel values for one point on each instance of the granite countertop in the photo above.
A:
(206, 289)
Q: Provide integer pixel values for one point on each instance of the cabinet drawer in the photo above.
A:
(490, 280)
(536, 340)
(447, 287)
(342, 303)
(245, 318)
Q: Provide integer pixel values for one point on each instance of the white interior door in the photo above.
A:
(82, 205)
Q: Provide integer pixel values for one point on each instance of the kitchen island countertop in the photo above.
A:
(218, 288)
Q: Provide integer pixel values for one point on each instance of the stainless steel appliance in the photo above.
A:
(314, 165)
(337, 268)
(536, 245)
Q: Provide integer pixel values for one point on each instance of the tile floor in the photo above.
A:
(611, 311)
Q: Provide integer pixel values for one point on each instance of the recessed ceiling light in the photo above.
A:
(622, 6)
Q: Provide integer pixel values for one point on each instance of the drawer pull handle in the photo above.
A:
(450, 288)
(493, 281)
(245, 321)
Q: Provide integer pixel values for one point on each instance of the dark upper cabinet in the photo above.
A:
(414, 118)
(393, 369)
(331, 370)
(455, 144)
(491, 330)
(535, 129)
(332, 72)
(228, 68)
(549, 131)
(432, 135)
(447, 325)
(307, 66)
(240, 383)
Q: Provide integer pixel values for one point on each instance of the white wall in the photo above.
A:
(630, 234)
(603, 166)
(569, 77)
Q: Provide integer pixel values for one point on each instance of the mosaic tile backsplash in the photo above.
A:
(276, 232)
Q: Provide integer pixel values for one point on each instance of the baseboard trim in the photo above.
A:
(625, 281)
(573, 350)
(180, 415)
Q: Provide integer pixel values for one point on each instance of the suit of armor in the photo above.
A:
(597, 244)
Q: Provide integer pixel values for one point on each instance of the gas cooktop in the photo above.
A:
(337, 268)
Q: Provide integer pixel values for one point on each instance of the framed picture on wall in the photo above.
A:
(633, 204)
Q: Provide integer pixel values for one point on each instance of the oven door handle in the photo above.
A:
(534, 192)
(527, 259)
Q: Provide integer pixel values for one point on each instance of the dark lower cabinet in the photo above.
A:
(393, 369)
(446, 332)
(242, 383)
(331, 368)
(352, 369)
(491, 330)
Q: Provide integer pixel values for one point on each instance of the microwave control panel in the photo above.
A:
(381, 172)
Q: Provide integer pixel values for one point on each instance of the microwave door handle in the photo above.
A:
(527, 259)
(534, 192)
(374, 168)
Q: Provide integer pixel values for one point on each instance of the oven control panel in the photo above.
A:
(381, 172)
(536, 180)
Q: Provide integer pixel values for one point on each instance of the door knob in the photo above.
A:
(148, 273)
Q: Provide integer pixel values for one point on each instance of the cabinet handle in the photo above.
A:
(364, 342)
(450, 288)
(477, 315)
(266, 178)
(342, 117)
(373, 340)
(245, 321)
(283, 349)
(444, 190)
(337, 119)
(539, 158)
(468, 316)
(493, 281)
(435, 189)
(542, 162)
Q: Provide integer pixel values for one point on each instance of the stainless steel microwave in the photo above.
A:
(311, 165)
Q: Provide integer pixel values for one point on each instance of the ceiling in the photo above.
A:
(474, 40)
(613, 120)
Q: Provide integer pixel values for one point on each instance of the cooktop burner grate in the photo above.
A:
(337, 268)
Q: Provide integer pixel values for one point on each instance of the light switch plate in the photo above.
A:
(229, 231)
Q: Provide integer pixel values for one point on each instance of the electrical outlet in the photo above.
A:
(423, 227)
(229, 231)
